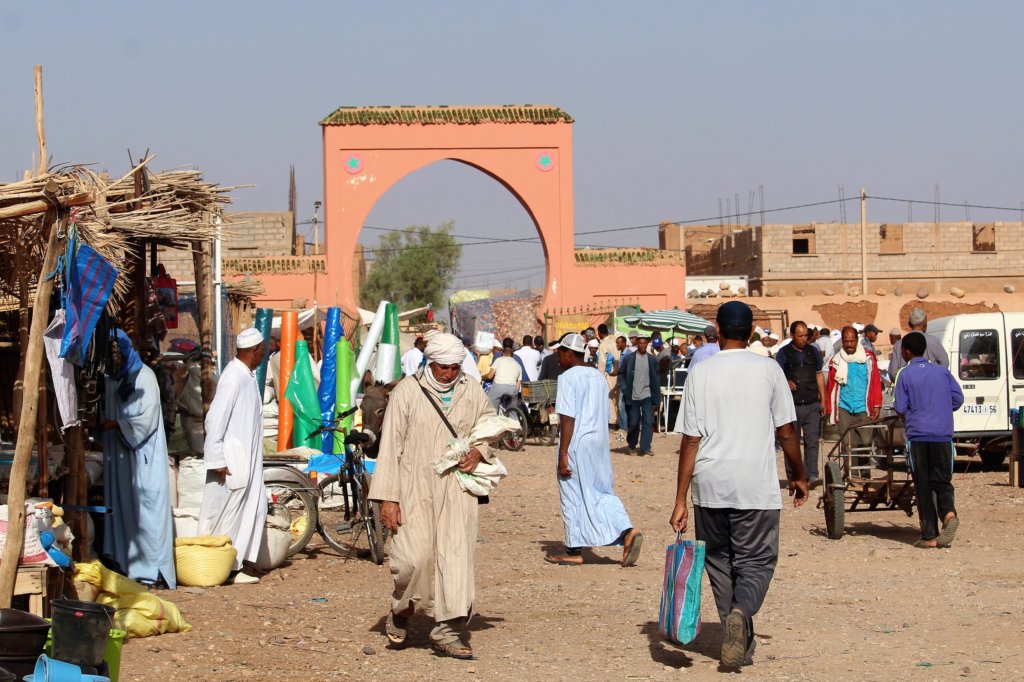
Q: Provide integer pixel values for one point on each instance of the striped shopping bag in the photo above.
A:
(679, 616)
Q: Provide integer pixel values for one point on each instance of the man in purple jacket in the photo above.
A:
(927, 395)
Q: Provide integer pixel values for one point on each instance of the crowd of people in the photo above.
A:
(744, 395)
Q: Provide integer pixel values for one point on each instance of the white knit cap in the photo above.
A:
(248, 338)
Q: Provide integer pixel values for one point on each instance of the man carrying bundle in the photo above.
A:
(432, 519)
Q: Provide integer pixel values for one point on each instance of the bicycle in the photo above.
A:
(343, 500)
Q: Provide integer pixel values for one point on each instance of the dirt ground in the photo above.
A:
(869, 606)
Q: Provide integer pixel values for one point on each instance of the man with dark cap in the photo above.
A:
(871, 333)
(801, 362)
(709, 348)
(735, 406)
(638, 384)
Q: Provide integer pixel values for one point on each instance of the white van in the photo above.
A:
(986, 355)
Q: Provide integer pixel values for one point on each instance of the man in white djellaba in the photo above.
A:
(235, 499)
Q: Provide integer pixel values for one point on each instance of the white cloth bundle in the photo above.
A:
(484, 478)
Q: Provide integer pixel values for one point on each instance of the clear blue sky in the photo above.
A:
(677, 104)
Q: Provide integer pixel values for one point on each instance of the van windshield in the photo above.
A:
(979, 354)
(1017, 352)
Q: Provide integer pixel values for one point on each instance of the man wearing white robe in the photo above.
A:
(235, 499)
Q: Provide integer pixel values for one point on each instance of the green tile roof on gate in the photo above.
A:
(433, 115)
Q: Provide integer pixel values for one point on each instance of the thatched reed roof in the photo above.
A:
(435, 115)
(173, 208)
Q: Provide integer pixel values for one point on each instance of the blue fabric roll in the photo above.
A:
(328, 377)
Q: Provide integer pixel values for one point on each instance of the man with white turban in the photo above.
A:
(235, 499)
(432, 519)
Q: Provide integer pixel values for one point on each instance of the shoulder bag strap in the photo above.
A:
(437, 409)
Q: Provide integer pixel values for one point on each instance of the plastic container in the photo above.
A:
(21, 633)
(81, 631)
(51, 670)
(111, 656)
(203, 561)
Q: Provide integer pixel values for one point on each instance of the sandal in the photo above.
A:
(632, 552)
(921, 544)
(454, 649)
(396, 633)
(948, 532)
(562, 561)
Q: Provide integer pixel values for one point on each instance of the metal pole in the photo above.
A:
(218, 303)
(863, 242)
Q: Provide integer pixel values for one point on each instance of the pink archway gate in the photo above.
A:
(527, 149)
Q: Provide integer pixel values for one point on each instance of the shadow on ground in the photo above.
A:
(707, 644)
(556, 548)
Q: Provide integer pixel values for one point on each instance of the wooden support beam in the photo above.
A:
(201, 257)
(40, 206)
(40, 130)
(26, 427)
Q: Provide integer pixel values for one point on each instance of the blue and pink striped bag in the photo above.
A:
(679, 616)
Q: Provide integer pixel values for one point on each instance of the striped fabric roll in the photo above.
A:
(679, 616)
(88, 281)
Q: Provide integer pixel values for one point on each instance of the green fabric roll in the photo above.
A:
(391, 337)
(264, 322)
(301, 393)
(346, 360)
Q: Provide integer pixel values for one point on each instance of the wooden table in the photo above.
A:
(42, 584)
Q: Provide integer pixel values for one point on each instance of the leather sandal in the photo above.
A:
(396, 633)
(454, 649)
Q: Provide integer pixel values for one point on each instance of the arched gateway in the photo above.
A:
(528, 149)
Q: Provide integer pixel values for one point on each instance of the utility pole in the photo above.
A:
(863, 242)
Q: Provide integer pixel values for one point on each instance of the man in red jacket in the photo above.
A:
(854, 390)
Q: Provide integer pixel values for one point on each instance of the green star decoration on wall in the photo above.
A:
(354, 164)
(545, 162)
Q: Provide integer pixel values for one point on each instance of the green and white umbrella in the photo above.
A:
(670, 319)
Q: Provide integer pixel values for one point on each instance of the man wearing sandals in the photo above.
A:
(593, 515)
(432, 519)
(927, 395)
(735, 405)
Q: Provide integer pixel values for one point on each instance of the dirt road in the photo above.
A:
(869, 606)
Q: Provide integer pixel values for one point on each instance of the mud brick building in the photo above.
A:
(819, 258)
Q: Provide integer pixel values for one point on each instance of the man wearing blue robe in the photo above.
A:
(592, 513)
(139, 532)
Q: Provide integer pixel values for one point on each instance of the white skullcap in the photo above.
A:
(593, 343)
(248, 338)
(444, 349)
(858, 326)
(773, 336)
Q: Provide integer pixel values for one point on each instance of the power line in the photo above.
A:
(963, 204)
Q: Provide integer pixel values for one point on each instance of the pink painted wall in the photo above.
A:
(534, 161)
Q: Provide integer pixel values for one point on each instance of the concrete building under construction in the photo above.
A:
(816, 258)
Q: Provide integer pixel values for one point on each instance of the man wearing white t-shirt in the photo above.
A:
(735, 405)
(530, 357)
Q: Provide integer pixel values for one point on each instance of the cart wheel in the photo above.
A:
(835, 503)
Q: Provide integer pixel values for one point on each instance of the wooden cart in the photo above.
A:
(870, 478)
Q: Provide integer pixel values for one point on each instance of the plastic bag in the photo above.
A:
(139, 613)
(679, 615)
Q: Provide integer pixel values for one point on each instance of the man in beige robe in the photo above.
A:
(433, 521)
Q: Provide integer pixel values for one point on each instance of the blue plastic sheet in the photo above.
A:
(328, 377)
(264, 320)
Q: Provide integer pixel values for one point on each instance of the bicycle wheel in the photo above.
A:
(335, 511)
(514, 440)
(301, 512)
(376, 534)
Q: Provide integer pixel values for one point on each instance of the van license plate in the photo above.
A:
(981, 409)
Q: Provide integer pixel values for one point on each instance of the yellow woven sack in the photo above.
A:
(139, 612)
(203, 541)
(204, 561)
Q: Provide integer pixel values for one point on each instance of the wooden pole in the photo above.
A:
(201, 254)
(863, 243)
(26, 427)
(40, 131)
